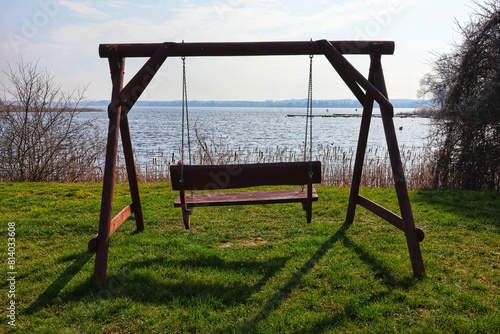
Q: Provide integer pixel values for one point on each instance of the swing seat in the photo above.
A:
(214, 177)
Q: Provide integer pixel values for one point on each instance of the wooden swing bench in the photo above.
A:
(212, 177)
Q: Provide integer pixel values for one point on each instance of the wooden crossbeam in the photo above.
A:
(215, 49)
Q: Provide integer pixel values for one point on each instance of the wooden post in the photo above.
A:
(411, 233)
(131, 172)
(117, 67)
(122, 99)
(360, 153)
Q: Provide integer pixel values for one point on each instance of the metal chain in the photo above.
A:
(185, 113)
(182, 110)
(309, 115)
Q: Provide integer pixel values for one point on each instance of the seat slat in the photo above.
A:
(247, 198)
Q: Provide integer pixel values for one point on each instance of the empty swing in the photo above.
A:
(188, 178)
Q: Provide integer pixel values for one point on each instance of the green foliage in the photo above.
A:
(253, 269)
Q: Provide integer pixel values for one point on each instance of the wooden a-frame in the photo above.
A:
(366, 90)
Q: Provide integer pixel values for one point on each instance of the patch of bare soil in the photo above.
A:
(244, 243)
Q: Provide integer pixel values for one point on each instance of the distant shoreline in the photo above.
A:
(11, 108)
(291, 103)
(101, 105)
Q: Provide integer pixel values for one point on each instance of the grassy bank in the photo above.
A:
(252, 269)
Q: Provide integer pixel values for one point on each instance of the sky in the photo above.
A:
(63, 37)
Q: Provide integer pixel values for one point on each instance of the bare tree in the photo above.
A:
(466, 87)
(41, 138)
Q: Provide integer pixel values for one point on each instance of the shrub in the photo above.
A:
(40, 136)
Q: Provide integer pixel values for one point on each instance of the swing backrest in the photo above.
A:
(208, 177)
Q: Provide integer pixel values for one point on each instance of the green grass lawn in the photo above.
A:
(251, 269)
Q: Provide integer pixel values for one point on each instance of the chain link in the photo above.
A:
(309, 115)
(185, 113)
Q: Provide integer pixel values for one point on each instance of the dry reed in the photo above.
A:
(337, 163)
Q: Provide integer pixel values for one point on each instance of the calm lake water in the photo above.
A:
(157, 130)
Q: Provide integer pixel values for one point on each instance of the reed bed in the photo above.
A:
(337, 162)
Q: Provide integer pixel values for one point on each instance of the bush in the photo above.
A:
(466, 86)
(40, 136)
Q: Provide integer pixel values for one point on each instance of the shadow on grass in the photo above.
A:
(182, 281)
(381, 271)
(352, 310)
(225, 282)
(475, 206)
(350, 313)
(49, 295)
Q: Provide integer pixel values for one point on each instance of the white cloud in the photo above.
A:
(70, 48)
(224, 21)
(117, 4)
(126, 4)
(83, 9)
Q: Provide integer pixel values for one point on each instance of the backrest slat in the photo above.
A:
(206, 177)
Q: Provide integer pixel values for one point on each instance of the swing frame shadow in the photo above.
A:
(366, 90)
